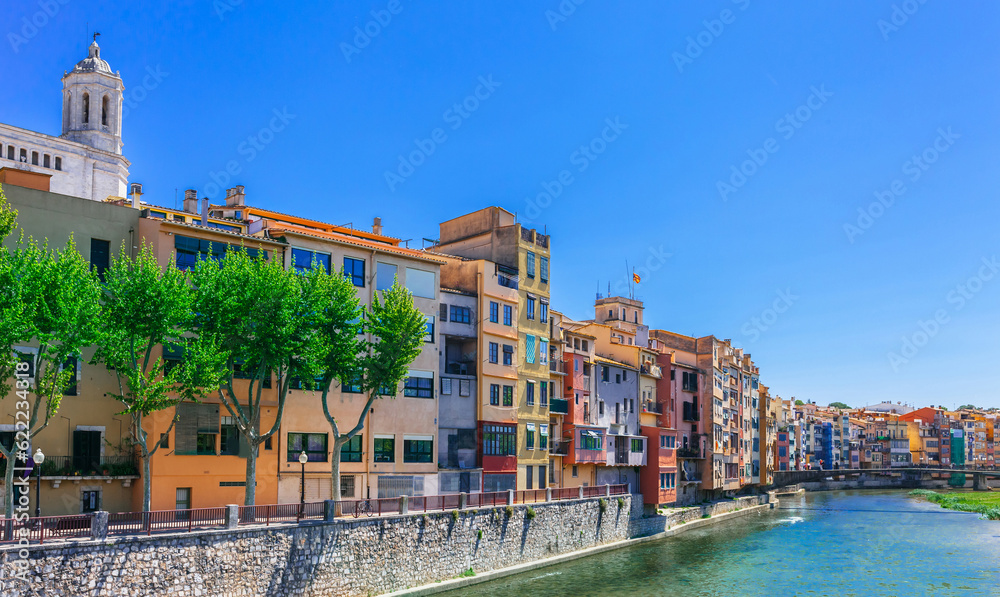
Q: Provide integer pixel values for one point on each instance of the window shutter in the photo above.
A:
(186, 429)
(443, 312)
(208, 418)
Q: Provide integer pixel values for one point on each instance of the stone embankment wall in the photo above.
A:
(344, 557)
(673, 517)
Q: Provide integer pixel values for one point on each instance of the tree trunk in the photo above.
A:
(335, 480)
(147, 483)
(8, 487)
(250, 494)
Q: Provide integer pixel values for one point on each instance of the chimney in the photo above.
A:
(235, 197)
(191, 201)
(377, 226)
(204, 211)
(136, 191)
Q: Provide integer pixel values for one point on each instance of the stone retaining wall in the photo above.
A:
(344, 557)
(671, 517)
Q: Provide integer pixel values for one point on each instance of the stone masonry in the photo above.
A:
(340, 558)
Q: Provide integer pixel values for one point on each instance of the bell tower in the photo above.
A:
(92, 103)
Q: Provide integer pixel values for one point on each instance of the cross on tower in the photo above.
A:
(96, 35)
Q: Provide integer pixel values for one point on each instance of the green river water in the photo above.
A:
(845, 543)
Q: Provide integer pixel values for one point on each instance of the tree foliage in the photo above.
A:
(839, 405)
(147, 311)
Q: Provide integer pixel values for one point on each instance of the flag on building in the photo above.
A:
(635, 278)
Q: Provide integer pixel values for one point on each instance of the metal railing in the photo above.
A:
(46, 527)
(279, 513)
(134, 523)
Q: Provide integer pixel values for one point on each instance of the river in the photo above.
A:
(844, 543)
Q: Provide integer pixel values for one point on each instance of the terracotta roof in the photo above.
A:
(276, 228)
(260, 211)
(249, 237)
(608, 361)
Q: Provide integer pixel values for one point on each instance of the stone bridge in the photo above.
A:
(979, 476)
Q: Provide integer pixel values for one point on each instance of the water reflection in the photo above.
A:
(830, 543)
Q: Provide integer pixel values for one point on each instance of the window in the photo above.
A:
(494, 352)
(189, 251)
(90, 500)
(313, 444)
(418, 448)
(543, 269)
(419, 384)
(464, 387)
(618, 378)
(575, 472)
(543, 438)
(531, 308)
(205, 444)
(508, 314)
(72, 365)
(351, 385)
(543, 312)
(508, 395)
(529, 393)
(624, 375)
(420, 282)
(10, 152)
(86, 108)
(499, 440)
(636, 446)
(446, 386)
(531, 264)
(460, 314)
(104, 110)
(385, 448)
(24, 156)
(47, 161)
(591, 440)
(351, 451)
(528, 471)
(182, 499)
(529, 348)
(303, 260)
(429, 326)
(668, 480)
(508, 354)
(494, 312)
(230, 437)
(100, 256)
(347, 486)
(58, 163)
(34, 158)
(543, 351)
(385, 276)
(689, 382)
(600, 408)
(544, 393)
(605, 373)
(354, 270)
(495, 394)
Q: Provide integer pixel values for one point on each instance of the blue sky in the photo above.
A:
(833, 101)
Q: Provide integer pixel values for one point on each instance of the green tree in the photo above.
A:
(395, 329)
(799, 403)
(263, 321)
(50, 312)
(968, 407)
(8, 216)
(148, 308)
(839, 405)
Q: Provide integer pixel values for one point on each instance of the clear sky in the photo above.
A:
(638, 119)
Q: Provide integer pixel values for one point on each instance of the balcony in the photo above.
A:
(690, 411)
(557, 365)
(558, 406)
(559, 448)
(460, 368)
(59, 468)
(652, 407)
(652, 371)
(689, 453)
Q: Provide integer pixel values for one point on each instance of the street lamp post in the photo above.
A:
(39, 458)
(303, 459)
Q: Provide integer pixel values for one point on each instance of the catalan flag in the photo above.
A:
(635, 278)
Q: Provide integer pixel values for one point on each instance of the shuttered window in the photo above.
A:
(194, 420)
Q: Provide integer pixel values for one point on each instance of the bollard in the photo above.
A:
(463, 500)
(510, 497)
(607, 490)
(232, 516)
(548, 494)
(329, 510)
(404, 504)
(581, 492)
(99, 526)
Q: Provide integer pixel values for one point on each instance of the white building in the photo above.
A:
(86, 159)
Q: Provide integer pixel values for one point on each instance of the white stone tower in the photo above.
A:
(92, 103)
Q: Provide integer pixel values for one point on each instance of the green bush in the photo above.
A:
(467, 573)
(621, 503)
(479, 534)
(530, 513)
(454, 515)
(509, 510)
(602, 504)
(706, 515)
